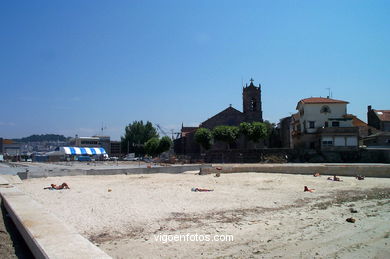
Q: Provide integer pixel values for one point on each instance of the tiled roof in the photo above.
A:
(186, 130)
(296, 116)
(383, 115)
(229, 110)
(320, 100)
(356, 121)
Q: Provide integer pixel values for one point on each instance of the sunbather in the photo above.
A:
(335, 178)
(306, 189)
(201, 190)
(360, 177)
(58, 187)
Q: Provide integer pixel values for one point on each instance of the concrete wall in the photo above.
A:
(324, 169)
(143, 170)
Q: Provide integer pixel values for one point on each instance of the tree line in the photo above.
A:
(254, 131)
(142, 139)
(42, 138)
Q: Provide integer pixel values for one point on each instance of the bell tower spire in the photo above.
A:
(251, 97)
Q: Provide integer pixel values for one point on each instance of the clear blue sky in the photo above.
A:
(68, 66)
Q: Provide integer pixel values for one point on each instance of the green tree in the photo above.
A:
(152, 146)
(136, 135)
(227, 134)
(164, 145)
(42, 137)
(204, 137)
(259, 131)
(270, 127)
(246, 129)
(254, 131)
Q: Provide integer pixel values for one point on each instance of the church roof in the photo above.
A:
(224, 117)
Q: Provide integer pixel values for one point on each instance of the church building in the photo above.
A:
(252, 111)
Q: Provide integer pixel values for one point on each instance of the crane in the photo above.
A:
(163, 132)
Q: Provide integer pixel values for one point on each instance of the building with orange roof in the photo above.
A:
(379, 119)
(323, 124)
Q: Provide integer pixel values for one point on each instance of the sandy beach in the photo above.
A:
(268, 215)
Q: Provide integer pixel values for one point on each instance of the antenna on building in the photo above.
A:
(329, 93)
(103, 128)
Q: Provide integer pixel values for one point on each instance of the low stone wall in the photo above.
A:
(115, 171)
(250, 155)
(279, 155)
(324, 169)
(152, 170)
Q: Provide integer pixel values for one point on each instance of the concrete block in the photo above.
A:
(3, 180)
(23, 175)
(12, 179)
(46, 235)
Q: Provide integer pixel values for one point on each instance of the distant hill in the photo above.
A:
(43, 137)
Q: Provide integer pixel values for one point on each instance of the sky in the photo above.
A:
(71, 67)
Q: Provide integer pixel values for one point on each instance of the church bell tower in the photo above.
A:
(251, 96)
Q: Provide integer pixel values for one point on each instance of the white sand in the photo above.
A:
(268, 214)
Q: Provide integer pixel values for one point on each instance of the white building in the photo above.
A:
(323, 123)
(94, 141)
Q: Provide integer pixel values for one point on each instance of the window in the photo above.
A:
(325, 109)
(388, 141)
(301, 112)
(352, 141)
(327, 143)
(88, 142)
(253, 105)
(339, 141)
(326, 124)
(335, 124)
(311, 124)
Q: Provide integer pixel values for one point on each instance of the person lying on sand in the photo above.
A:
(201, 190)
(306, 189)
(316, 174)
(360, 177)
(335, 178)
(58, 187)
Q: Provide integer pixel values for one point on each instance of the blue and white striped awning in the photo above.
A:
(83, 150)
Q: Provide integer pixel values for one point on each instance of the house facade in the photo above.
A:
(323, 124)
(378, 140)
(379, 119)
